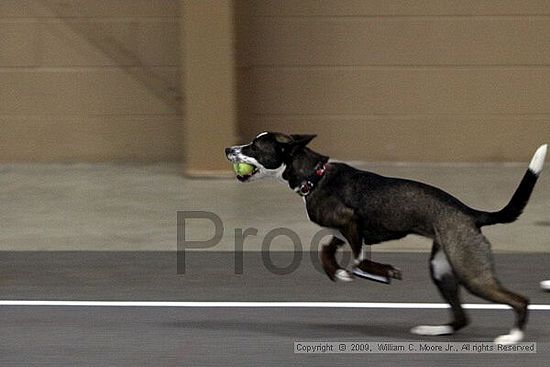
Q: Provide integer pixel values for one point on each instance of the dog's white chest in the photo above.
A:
(305, 206)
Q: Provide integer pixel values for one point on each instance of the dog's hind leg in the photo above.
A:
(492, 290)
(330, 265)
(448, 286)
(496, 293)
(472, 261)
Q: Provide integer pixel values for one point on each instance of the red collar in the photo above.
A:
(305, 188)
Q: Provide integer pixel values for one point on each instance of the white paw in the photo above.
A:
(514, 337)
(545, 284)
(432, 330)
(343, 275)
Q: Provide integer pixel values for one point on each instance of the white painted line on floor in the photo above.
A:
(389, 305)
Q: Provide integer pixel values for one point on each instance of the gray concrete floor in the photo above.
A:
(246, 336)
(133, 207)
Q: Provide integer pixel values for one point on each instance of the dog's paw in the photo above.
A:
(395, 273)
(377, 271)
(514, 337)
(343, 275)
(432, 330)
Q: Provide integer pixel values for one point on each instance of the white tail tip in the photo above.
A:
(537, 162)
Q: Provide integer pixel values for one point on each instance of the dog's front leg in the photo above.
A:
(365, 268)
(330, 265)
(376, 271)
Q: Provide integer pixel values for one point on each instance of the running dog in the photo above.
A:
(364, 208)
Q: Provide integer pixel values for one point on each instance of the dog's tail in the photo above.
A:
(519, 200)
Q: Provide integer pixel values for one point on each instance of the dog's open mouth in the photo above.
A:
(244, 170)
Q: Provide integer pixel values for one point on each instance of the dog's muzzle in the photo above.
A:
(232, 153)
(235, 156)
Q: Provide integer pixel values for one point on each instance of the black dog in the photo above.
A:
(365, 208)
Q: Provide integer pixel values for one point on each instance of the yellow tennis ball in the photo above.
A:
(243, 169)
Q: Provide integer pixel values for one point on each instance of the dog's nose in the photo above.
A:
(227, 151)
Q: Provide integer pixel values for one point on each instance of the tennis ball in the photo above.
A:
(243, 169)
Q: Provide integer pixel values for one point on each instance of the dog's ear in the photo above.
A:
(302, 140)
(282, 138)
(298, 142)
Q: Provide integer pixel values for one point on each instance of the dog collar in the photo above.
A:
(305, 188)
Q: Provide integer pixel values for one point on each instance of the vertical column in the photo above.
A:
(209, 85)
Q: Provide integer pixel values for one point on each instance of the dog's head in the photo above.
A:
(270, 153)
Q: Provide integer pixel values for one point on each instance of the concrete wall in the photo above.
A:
(390, 80)
(378, 80)
(209, 83)
(89, 80)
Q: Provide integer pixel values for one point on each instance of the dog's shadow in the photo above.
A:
(316, 330)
